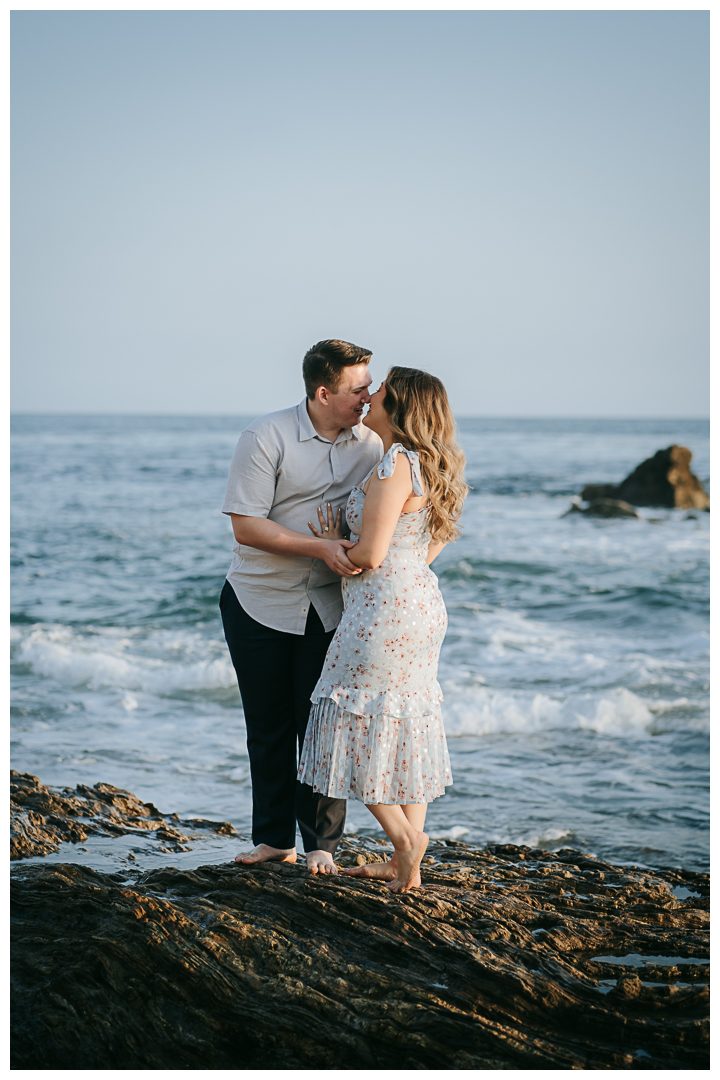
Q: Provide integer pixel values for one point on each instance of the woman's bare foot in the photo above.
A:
(320, 862)
(408, 862)
(381, 871)
(265, 853)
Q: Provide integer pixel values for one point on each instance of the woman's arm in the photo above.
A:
(381, 511)
(434, 550)
(266, 535)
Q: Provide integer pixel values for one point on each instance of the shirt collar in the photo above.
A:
(306, 430)
(305, 425)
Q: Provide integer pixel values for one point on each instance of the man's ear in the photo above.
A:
(322, 394)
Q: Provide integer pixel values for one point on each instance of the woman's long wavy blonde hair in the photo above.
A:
(419, 415)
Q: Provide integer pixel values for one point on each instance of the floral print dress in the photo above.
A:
(375, 731)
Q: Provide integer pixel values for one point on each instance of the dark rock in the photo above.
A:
(41, 817)
(606, 508)
(490, 965)
(664, 479)
(598, 491)
(611, 508)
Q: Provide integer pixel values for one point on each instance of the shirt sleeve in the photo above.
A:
(253, 475)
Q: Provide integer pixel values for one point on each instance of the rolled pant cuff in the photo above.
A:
(319, 843)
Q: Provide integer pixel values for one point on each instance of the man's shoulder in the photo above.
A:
(274, 424)
(369, 438)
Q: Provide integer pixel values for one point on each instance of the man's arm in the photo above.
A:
(248, 501)
(268, 536)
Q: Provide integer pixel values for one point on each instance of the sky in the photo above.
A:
(516, 201)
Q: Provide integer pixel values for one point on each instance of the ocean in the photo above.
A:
(575, 668)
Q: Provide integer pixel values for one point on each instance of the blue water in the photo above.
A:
(575, 669)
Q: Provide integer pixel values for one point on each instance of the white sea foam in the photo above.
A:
(683, 704)
(616, 712)
(547, 838)
(163, 664)
(453, 833)
(486, 712)
(104, 660)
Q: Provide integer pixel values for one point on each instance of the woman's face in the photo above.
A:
(376, 418)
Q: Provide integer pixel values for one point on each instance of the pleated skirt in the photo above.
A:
(376, 759)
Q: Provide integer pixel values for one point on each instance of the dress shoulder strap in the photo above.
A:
(387, 466)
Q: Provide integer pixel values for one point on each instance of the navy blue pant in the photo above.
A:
(277, 673)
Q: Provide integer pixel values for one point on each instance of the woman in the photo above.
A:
(375, 730)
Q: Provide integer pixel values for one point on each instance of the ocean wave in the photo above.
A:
(101, 661)
(166, 664)
(452, 833)
(616, 713)
(548, 838)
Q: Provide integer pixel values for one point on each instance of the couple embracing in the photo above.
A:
(332, 616)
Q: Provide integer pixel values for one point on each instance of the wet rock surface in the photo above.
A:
(665, 479)
(42, 817)
(506, 958)
(605, 508)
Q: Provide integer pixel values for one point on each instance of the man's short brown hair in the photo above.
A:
(323, 363)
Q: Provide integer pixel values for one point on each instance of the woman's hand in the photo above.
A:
(330, 529)
(336, 555)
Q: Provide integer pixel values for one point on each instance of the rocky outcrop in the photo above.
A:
(664, 479)
(41, 817)
(506, 958)
(605, 508)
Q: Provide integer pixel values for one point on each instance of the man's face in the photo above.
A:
(347, 404)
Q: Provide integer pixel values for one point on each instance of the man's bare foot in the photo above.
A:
(409, 865)
(320, 862)
(265, 853)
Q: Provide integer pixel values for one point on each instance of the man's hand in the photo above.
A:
(337, 560)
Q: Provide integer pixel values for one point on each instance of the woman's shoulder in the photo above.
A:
(388, 465)
(390, 459)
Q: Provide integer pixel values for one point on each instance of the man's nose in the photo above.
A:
(365, 397)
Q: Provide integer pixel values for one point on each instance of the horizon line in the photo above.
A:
(458, 416)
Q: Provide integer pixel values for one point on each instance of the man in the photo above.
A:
(282, 598)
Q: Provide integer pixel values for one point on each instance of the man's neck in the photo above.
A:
(319, 421)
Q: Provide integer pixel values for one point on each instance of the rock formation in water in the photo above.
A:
(603, 507)
(664, 479)
(41, 817)
(506, 958)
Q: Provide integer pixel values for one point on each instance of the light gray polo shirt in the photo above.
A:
(283, 470)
